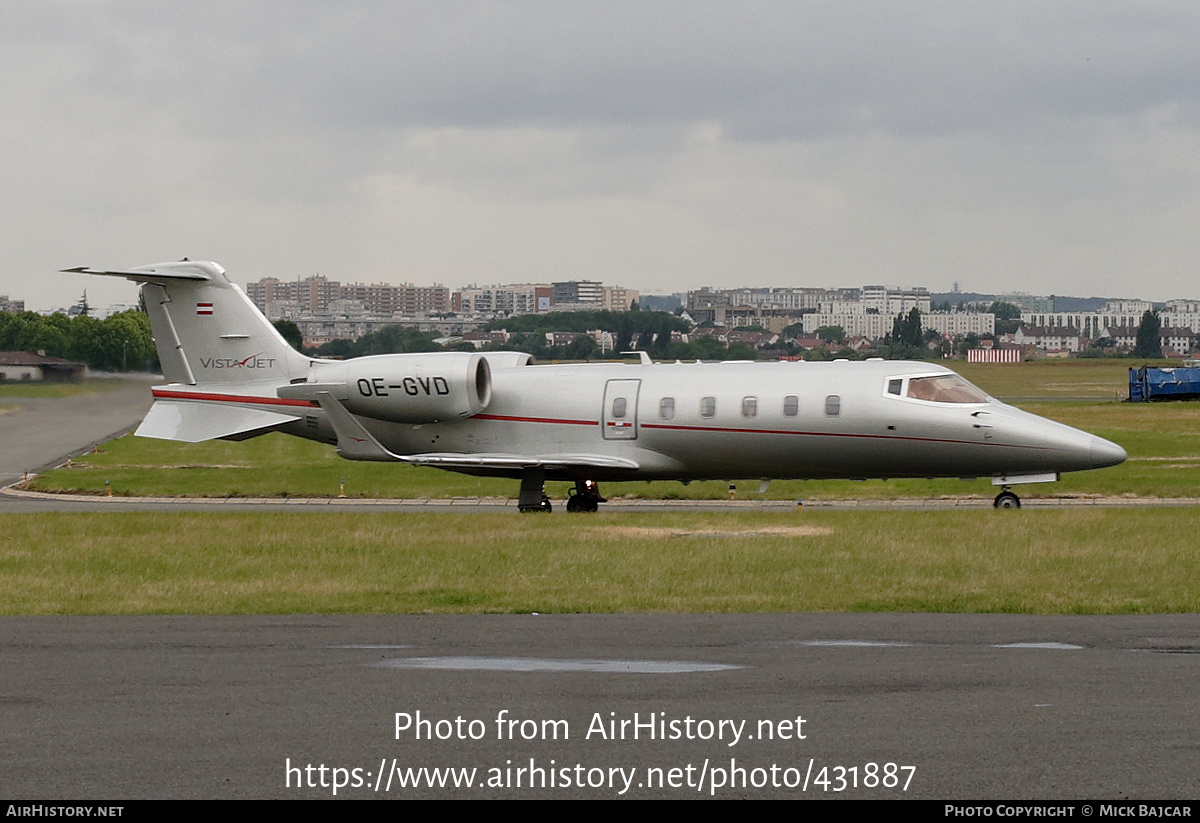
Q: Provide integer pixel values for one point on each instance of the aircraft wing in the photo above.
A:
(520, 461)
(356, 443)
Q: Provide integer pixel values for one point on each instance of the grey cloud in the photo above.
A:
(765, 71)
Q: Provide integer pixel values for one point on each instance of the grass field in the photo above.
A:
(1098, 379)
(1049, 561)
(82, 387)
(1162, 439)
(1095, 561)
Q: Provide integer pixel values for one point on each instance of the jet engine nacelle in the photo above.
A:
(403, 388)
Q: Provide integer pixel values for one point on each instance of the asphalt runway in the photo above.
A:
(41, 431)
(963, 706)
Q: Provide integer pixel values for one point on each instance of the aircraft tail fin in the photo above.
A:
(206, 329)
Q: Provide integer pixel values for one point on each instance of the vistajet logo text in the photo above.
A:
(251, 362)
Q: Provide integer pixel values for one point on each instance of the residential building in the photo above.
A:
(1050, 338)
(1091, 324)
(1177, 339)
(521, 298)
(892, 300)
(578, 291)
(619, 298)
(959, 323)
(314, 295)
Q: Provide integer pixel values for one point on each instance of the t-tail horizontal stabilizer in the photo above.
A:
(143, 274)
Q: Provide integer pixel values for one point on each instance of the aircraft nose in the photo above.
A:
(1105, 453)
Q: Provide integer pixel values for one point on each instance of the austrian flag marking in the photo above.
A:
(204, 308)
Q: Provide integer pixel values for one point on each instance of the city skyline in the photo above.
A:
(974, 299)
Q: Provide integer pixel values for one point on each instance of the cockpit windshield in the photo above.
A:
(944, 388)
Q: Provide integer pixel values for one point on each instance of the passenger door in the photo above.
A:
(618, 418)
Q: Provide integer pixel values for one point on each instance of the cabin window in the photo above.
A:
(749, 406)
(666, 408)
(618, 409)
(791, 406)
(894, 386)
(708, 406)
(833, 405)
(944, 388)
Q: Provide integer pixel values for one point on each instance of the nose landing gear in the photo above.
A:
(585, 497)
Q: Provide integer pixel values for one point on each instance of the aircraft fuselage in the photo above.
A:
(737, 420)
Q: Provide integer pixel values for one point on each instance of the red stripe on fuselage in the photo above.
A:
(234, 398)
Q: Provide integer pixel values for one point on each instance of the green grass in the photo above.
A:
(1100, 379)
(52, 389)
(271, 466)
(1095, 561)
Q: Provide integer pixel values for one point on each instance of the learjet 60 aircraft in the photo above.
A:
(232, 376)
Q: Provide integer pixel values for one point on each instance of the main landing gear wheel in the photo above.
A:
(543, 506)
(533, 491)
(585, 497)
(578, 503)
(1007, 500)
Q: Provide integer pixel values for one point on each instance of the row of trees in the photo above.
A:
(123, 341)
(388, 340)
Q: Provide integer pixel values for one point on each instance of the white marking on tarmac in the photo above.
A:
(1054, 646)
(373, 646)
(856, 643)
(898, 644)
(542, 664)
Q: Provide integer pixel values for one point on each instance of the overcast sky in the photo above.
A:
(1033, 146)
